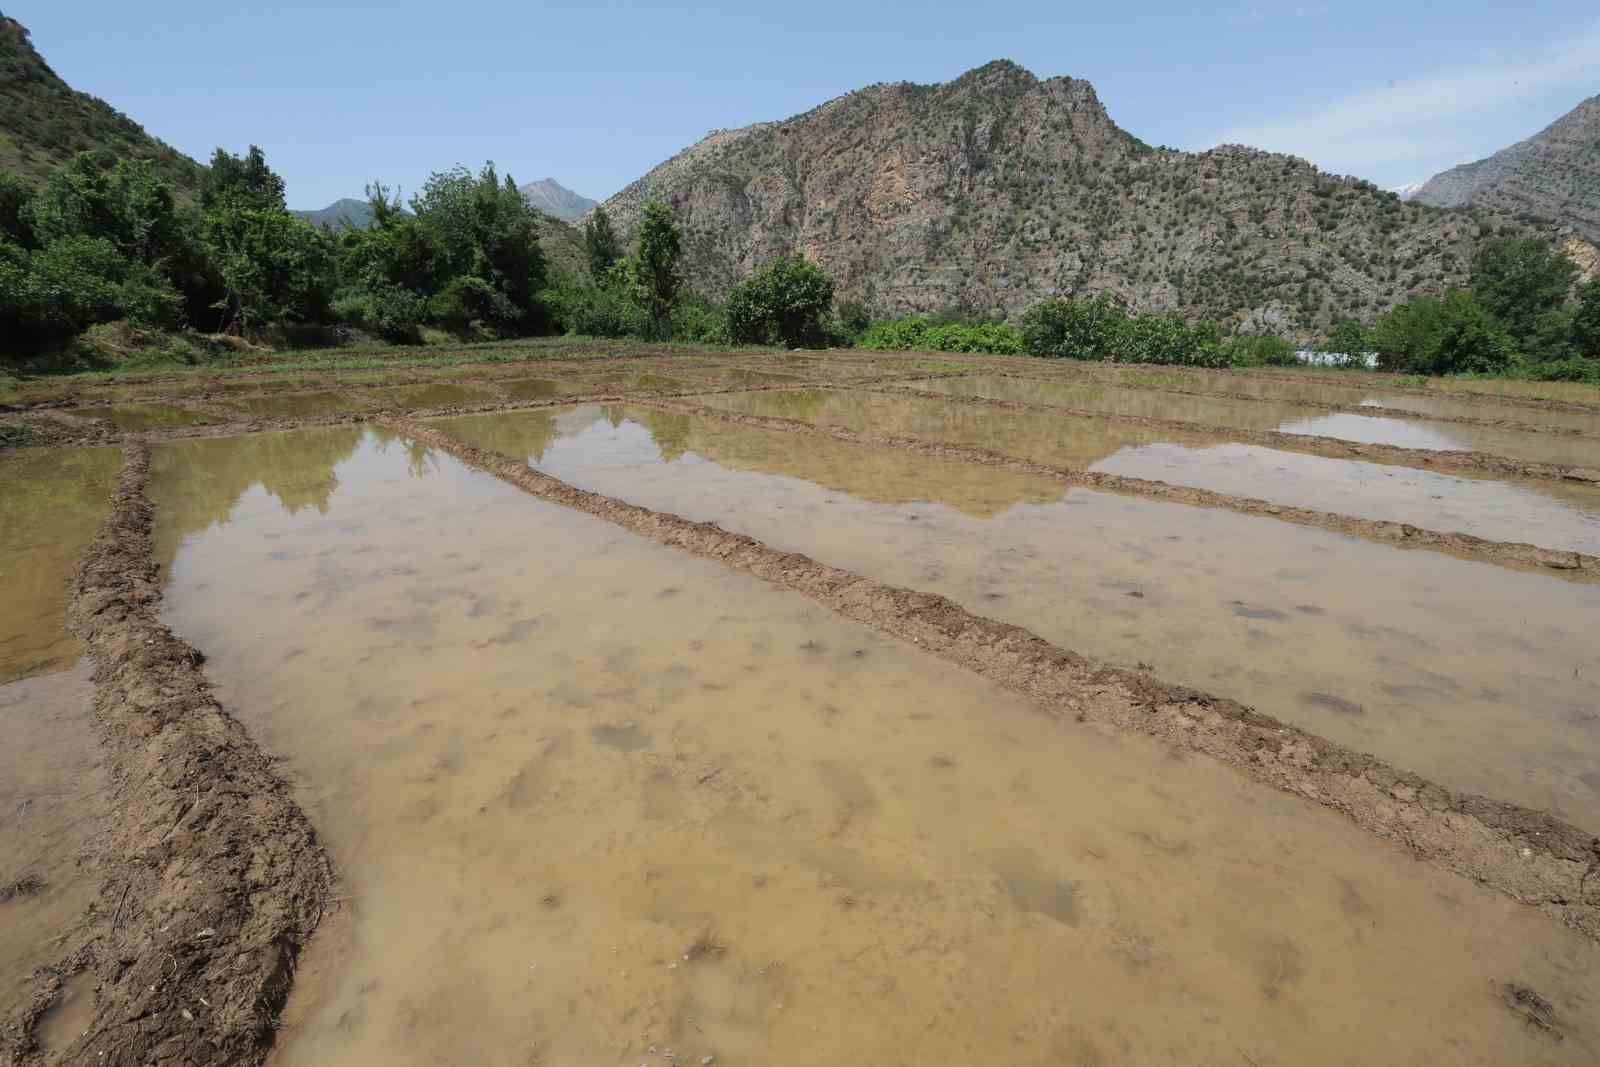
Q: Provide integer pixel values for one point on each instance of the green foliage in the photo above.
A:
(920, 335)
(1452, 334)
(785, 303)
(652, 270)
(1583, 331)
(16, 192)
(698, 320)
(245, 182)
(394, 313)
(1258, 350)
(274, 267)
(1351, 340)
(1074, 329)
(593, 310)
(1573, 369)
(852, 322)
(601, 246)
(483, 228)
(1519, 281)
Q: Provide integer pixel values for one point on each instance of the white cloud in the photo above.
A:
(1420, 119)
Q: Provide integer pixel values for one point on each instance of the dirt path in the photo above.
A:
(1308, 444)
(1530, 856)
(214, 879)
(1573, 566)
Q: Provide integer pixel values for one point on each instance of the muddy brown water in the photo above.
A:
(1267, 415)
(1550, 514)
(591, 797)
(141, 417)
(429, 396)
(51, 782)
(291, 405)
(1478, 677)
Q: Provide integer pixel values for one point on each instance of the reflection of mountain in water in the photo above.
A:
(296, 467)
(585, 438)
(51, 505)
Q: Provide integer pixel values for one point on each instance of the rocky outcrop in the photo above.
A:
(999, 189)
(1554, 174)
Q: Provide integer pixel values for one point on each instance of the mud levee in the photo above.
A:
(213, 876)
(1530, 856)
(1572, 566)
(1486, 422)
(1309, 444)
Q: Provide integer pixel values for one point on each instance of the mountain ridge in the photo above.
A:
(556, 200)
(1554, 174)
(999, 189)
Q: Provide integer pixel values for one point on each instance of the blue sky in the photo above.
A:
(596, 93)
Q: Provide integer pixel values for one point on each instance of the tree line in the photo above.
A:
(109, 240)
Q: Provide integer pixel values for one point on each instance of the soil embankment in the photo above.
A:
(1530, 856)
(213, 876)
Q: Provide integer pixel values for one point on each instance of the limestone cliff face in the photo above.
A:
(997, 190)
(1554, 174)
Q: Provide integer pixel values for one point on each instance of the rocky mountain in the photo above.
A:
(1554, 174)
(556, 200)
(45, 122)
(998, 189)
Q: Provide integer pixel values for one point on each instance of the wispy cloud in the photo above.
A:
(1421, 119)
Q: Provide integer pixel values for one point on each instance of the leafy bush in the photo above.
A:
(394, 313)
(469, 299)
(913, 334)
(1074, 329)
(593, 311)
(1259, 350)
(1575, 369)
(699, 321)
(784, 303)
(1452, 334)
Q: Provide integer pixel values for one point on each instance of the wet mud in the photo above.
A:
(1530, 856)
(213, 880)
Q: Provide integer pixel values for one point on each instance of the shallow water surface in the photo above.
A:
(1267, 415)
(140, 417)
(51, 798)
(1479, 677)
(437, 395)
(1552, 514)
(297, 404)
(591, 797)
(52, 501)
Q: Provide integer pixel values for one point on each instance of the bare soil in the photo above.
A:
(213, 877)
(1530, 856)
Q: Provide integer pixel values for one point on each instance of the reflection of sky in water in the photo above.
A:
(1378, 431)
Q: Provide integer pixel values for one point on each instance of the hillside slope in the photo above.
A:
(1554, 174)
(44, 121)
(997, 190)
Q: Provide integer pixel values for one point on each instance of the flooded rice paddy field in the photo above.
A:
(1479, 677)
(591, 796)
(593, 800)
(1229, 413)
(1557, 515)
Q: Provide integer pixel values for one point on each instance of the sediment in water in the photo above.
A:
(1530, 856)
(214, 878)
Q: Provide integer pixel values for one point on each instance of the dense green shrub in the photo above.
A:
(1574, 369)
(787, 302)
(698, 321)
(593, 310)
(1452, 334)
(1258, 350)
(394, 313)
(1074, 329)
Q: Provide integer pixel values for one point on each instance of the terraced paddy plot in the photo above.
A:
(298, 405)
(1268, 415)
(437, 395)
(52, 502)
(1439, 405)
(1478, 677)
(1551, 514)
(141, 417)
(591, 796)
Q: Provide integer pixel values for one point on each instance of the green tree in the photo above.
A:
(1350, 340)
(1452, 334)
(245, 181)
(1074, 329)
(600, 244)
(653, 269)
(1583, 332)
(274, 267)
(784, 303)
(16, 198)
(1520, 280)
(484, 228)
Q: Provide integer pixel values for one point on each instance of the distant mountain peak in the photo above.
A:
(556, 200)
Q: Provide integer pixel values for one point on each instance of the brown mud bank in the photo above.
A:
(213, 877)
(1310, 444)
(1573, 566)
(1530, 856)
